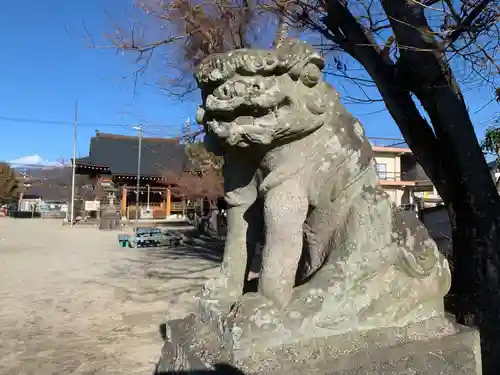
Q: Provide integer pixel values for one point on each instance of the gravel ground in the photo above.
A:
(73, 302)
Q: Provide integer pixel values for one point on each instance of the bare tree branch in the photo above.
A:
(467, 22)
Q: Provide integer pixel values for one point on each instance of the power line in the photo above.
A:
(62, 164)
(81, 124)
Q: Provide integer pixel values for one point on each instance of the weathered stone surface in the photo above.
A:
(337, 256)
(377, 352)
(347, 285)
(249, 334)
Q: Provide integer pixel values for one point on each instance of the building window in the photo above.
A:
(382, 171)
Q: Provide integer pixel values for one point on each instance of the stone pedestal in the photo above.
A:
(419, 349)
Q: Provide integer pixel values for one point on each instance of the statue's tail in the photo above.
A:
(418, 253)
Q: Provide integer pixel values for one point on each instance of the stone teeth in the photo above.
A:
(241, 88)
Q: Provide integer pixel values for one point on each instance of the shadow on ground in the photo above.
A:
(184, 268)
(195, 245)
(222, 369)
(161, 262)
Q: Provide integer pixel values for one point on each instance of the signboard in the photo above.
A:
(92, 205)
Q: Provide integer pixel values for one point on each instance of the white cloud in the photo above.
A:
(32, 161)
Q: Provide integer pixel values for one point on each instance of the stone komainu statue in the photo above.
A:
(300, 166)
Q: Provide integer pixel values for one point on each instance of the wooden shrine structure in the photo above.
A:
(112, 168)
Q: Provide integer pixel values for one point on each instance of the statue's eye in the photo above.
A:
(310, 75)
(258, 62)
(223, 92)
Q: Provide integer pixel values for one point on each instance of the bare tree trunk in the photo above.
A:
(282, 30)
(475, 287)
(449, 154)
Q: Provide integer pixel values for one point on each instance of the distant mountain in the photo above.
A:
(59, 172)
(39, 170)
(54, 183)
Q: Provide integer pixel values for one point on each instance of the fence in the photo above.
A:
(178, 207)
(36, 208)
(53, 210)
(156, 211)
(389, 176)
(437, 222)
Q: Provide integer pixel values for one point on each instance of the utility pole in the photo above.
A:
(74, 167)
(139, 129)
(186, 131)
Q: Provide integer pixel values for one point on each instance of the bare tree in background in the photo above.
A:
(197, 153)
(8, 182)
(491, 141)
(204, 176)
(190, 31)
(411, 51)
(196, 185)
(408, 49)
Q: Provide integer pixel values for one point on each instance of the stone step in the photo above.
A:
(455, 354)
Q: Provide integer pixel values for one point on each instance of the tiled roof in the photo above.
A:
(119, 153)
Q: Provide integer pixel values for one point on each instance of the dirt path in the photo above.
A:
(73, 302)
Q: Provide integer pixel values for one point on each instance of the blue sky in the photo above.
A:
(47, 64)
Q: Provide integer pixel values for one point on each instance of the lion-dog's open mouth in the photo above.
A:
(244, 102)
(244, 96)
